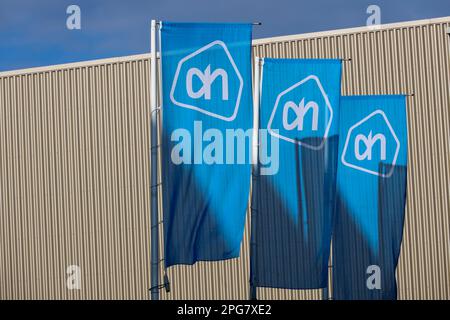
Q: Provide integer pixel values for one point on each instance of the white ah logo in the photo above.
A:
(300, 111)
(369, 142)
(293, 131)
(364, 156)
(207, 80)
(226, 105)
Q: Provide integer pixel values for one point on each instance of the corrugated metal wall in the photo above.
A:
(74, 170)
(75, 182)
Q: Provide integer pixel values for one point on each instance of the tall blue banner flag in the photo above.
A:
(206, 140)
(294, 191)
(371, 196)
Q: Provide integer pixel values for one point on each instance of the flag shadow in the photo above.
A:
(353, 256)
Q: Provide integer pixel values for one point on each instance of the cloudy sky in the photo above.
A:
(34, 33)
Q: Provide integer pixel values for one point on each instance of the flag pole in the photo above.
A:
(154, 217)
(255, 174)
(326, 290)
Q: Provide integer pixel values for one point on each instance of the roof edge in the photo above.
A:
(387, 26)
(71, 65)
(254, 42)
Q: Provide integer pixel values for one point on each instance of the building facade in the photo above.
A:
(75, 170)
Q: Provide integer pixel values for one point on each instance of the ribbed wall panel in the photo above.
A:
(74, 170)
(74, 182)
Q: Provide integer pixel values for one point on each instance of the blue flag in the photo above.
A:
(206, 141)
(371, 195)
(294, 199)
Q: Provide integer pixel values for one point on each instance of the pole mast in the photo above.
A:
(154, 217)
(255, 175)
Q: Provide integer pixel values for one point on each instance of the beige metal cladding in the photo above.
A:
(74, 169)
(75, 182)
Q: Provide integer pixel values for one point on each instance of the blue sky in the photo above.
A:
(33, 32)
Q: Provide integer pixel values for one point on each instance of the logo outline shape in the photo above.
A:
(347, 140)
(192, 107)
(327, 102)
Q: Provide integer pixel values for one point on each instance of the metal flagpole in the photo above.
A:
(326, 290)
(255, 174)
(154, 217)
